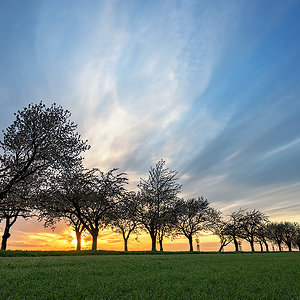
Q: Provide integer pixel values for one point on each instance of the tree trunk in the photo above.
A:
(221, 247)
(153, 239)
(279, 246)
(298, 246)
(191, 243)
(267, 246)
(6, 235)
(252, 246)
(236, 244)
(125, 244)
(78, 238)
(289, 244)
(95, 240)
(261, 246)
(161, 245)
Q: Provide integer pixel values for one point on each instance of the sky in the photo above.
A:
(212, 87)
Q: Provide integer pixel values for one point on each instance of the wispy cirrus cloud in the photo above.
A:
(211, 87)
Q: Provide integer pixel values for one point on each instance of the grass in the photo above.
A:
(176, 276)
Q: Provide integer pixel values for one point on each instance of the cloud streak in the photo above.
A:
(210, 87)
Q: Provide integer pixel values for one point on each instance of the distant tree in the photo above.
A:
(262, 234)
(251, 222)
(192, 216)
(276, 231)
(288, 234)
(108, 189)
(156, 197)
(123, 217)
(234, 227)
(296, 239)
(40, 138)
(222, 230)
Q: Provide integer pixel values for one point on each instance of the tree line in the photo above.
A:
(42, 175)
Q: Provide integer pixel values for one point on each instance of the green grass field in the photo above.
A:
(176, 276)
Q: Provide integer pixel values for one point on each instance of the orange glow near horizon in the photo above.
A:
(31, 235)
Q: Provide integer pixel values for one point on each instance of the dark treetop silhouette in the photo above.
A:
(157, 193)
(40, 141)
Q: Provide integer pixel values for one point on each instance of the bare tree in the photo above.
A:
(123, 217)
(156, 196)
(192, 216)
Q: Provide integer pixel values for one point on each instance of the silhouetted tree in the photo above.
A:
(192, 216)
(288, 234)
(156, 197)
(296, 239)
(78, 227)
(14, 207)
(40, 138)
(51, 214)
(276, 233)
(262, 234)
(223, 232)
(123, 217)
(17, 203)
(251, 221)
(63, 196)
(166, 227)
(88, 195)
(234, 227)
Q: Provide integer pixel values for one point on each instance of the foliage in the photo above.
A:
(40, 141)
(41, 138)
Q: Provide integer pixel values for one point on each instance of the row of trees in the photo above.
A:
(41, 174)
(255, 228)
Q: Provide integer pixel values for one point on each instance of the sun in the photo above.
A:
(73, 243)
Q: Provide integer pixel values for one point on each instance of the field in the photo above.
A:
(176, 276)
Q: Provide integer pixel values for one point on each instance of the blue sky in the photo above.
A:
(213, 87)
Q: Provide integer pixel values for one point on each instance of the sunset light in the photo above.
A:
(150, 149)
